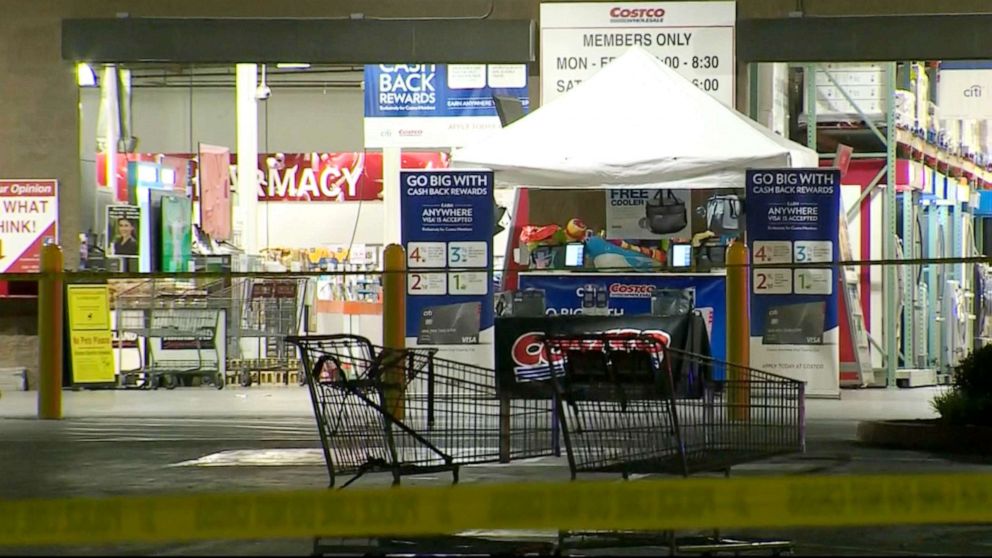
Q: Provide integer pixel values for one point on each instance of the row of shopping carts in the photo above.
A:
(169, 332)
(612, 399)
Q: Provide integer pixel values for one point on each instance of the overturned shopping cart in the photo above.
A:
(407, 412)
(619, 407)
(631, 405)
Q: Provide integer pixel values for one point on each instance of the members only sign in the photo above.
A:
(29, 214)
(696, 39)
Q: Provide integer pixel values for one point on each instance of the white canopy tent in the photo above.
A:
(634, 123)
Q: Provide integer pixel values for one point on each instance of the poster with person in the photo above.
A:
(123, 224)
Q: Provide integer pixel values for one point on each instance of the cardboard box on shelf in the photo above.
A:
(905, 109)
(863, 83)
(985, 136)
(972, 137)
(952, 131)
(920, 83)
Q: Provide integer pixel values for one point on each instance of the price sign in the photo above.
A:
(468, 254)
(420, 284)
(425, 255)
(771, 281)
(468, 283)
(814, 251)
(772, 251)
(813, 281)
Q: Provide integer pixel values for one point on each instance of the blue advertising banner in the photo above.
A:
(447, 231)
(630, 295)
(793, 216)
(437, 105)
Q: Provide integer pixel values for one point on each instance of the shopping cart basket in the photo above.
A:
(615, 403)
(623, 411)
(408, 412)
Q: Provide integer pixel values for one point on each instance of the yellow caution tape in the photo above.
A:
(654, 505)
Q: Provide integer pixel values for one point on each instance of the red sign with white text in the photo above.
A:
(29, 214)
(292, 177)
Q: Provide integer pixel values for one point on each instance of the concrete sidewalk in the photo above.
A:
(248, 439)
(854, 405)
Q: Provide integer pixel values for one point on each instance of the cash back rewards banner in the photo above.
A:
(437, 105)
(793, 217)
(448, 223)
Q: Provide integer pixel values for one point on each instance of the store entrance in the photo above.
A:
(200, 164)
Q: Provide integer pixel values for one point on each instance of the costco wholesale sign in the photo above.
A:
(29, 211)
(696, 39)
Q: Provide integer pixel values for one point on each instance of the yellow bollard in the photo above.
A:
(394, 326)
(50, 334)
(738, 334)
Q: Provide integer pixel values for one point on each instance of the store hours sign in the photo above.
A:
(447, 231)
(696, 39)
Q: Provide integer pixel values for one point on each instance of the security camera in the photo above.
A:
(263, 92)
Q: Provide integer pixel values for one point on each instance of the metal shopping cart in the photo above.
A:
(407, 412)
(623, 411)
(262, 313)
(171, 332)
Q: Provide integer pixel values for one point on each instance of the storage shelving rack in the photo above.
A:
(877, 137)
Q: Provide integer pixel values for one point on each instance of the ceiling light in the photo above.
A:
(85, 76)
(292, 65)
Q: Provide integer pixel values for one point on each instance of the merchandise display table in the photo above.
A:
(629, 295)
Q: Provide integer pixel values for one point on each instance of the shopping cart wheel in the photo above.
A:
(219, 381)
(169, 381)
(245, 378)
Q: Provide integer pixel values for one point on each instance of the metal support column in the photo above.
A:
(957, 233)
(979, 235)
(908, 277)
(933, 288)
(891, 279)
(944, 252)
(809, 76)
(752, 91)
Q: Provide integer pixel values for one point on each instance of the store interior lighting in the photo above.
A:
(292, 66)
(168, 176)
(85, 76)
(147, 174)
